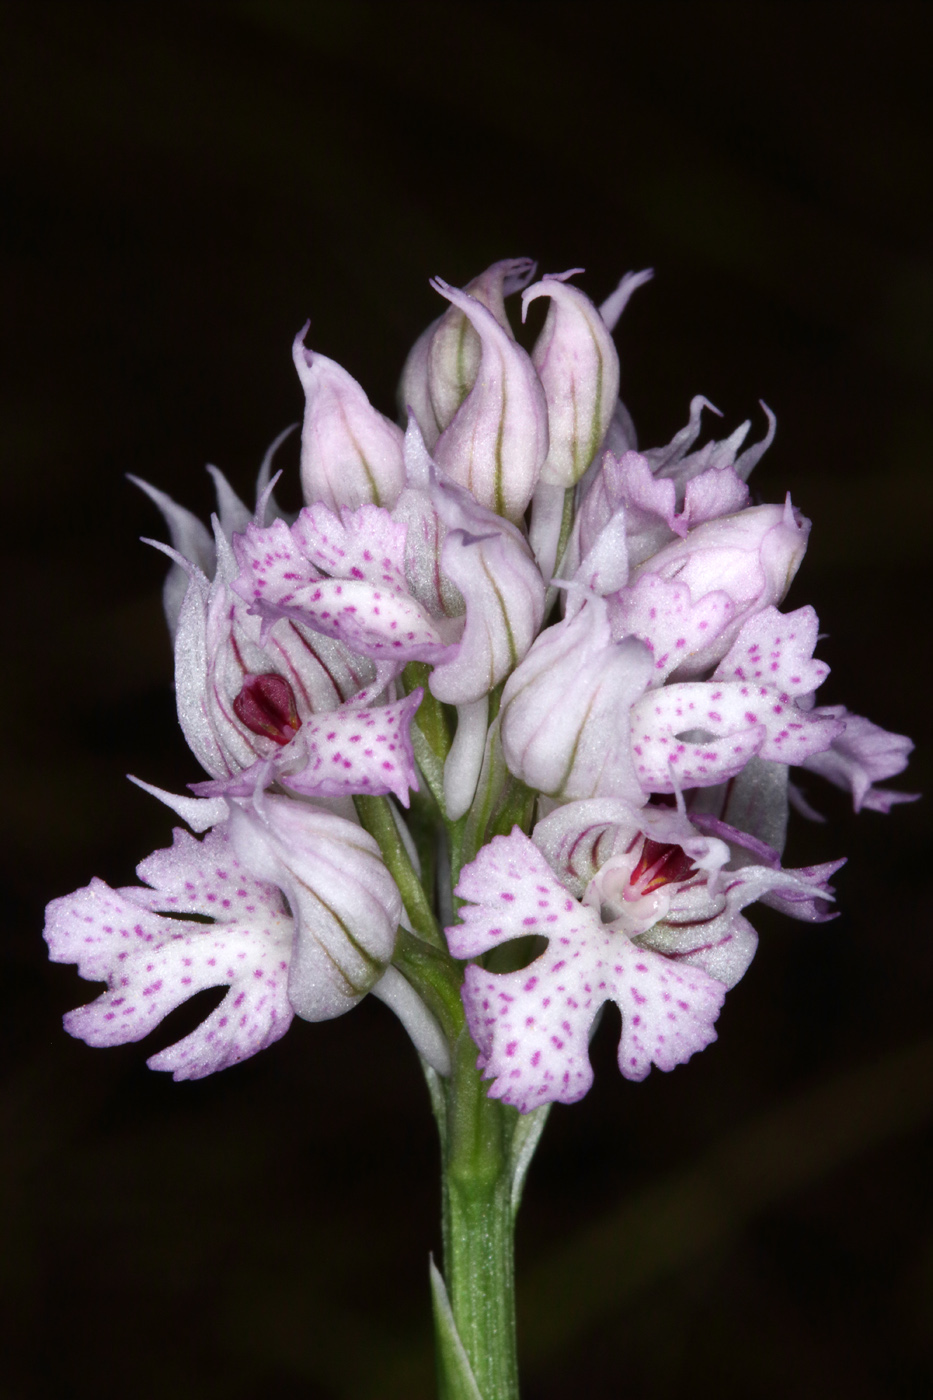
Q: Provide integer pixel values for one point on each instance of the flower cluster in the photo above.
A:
(504, 633)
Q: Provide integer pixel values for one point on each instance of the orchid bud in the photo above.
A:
(750, 557)
(350, 454)
(496, 443)
(443, 364)
(345, 903)
(489, 562)
(564, 709)
(577, 363)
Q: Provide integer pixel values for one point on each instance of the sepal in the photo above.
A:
(443, 364)
(578, 366)
(563, 709)
(346, 905)
(491, 566)
(351, 455)
(497, 441)
(862, 755)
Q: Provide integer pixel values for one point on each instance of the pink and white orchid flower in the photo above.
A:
(657, 928)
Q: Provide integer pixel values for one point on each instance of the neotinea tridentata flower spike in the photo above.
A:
(571, 650)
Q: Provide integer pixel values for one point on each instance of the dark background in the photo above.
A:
(182, 185)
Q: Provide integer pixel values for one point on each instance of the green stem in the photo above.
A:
(485, 1146)
(478, 1225)
(376, 817)
(431, 731)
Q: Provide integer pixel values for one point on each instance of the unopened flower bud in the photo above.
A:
(496, 443)
(351, 455)
(577, 363)
(751, 557)
(564, 709)
(442, 366)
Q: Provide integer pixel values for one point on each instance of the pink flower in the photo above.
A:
(314, 952)
(659, 931)
(750, 557)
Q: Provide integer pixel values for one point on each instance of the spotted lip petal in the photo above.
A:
(673, 627)
(342, 753)
(153, 963)
(776, 649)
(363, 602)
(744, 720)
(532, 1026)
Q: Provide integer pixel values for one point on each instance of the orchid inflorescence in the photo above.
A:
(504, 675)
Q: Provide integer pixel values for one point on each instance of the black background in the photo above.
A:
(182, 185)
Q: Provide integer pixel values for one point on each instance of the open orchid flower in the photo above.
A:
(751, 558)
(348, 578)
(532, 1027)
(659, 931)
(563, 708)
(288, 905)
(290, 705)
